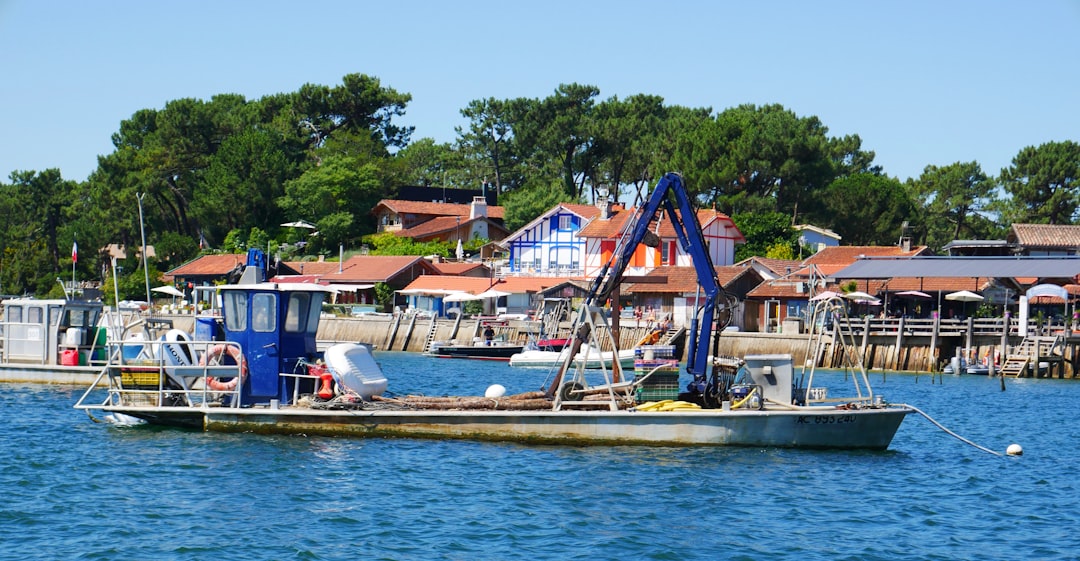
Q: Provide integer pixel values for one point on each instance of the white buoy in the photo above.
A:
(1014, 450)
(495, 390)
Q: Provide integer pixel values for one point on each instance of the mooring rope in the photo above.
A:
(957, 436)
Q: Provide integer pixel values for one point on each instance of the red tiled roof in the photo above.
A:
(378, 268)
(683, 279)
(209, 265)
(614, 226)
(457, 268)
(1045, 235)
(313, 267)
(436, 209)
(847, 254)
(937, 284)
(780, 267)
(442, 224)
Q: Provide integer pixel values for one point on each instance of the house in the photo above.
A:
(447, 222)
(815, 239)
(602, 235)
(1044, 240)
(355, 280)
(462, 269)
(675, 298)
(550, 245)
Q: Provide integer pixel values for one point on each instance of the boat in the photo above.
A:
(483, 350)
(975, 368)
(266, 376)
(52, 341)
(591, 357)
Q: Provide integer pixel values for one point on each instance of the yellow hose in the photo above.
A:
(740, 403)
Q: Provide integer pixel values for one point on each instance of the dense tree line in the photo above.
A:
(226, 173)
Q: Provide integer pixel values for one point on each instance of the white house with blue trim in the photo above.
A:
(550, 245)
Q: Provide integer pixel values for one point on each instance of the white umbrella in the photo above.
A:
(860, 297)
(168, 289)
(462, 297)
(492, 293)
(460, 252)
(825, 296)
(299, 224)
(964, 296)
(914, 294)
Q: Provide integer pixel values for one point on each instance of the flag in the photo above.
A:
(74, 252)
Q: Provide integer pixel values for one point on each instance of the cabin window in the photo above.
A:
(314, 313)
(14, 314)
(34, 315)
(235, 309)
(263, 312)
(296, 316)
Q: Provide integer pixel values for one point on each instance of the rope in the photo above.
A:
(951, 433)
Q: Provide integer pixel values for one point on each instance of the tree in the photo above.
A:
(765, 233)
(337, 197)
(532, 200)
(489, 141)
(557, 128)
(952, 199)
(1044, 183)
(868, 209)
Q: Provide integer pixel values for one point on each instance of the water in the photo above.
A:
(73, 489)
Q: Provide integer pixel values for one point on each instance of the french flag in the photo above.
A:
(74, 252)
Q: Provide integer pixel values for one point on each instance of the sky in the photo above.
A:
(920, 82)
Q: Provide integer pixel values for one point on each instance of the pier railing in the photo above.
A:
(947, 327)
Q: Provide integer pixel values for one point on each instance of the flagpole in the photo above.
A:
(74, 260)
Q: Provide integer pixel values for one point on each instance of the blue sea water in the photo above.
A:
(73, 489)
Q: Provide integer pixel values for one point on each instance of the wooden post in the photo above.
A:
(934, 342)
(899, 344)
(969, 340)
(865, 339)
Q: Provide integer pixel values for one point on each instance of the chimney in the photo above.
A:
(478, 208)
(603, 204)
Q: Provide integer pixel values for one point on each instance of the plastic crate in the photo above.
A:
(642, 395)
(658, 386)
(140, 378)
(658, 351)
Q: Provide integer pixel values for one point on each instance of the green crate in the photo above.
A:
(642, 395)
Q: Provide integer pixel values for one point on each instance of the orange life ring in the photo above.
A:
(216, 352)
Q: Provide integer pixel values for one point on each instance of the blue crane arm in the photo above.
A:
(691, 239)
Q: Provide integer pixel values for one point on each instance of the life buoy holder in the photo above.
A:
(215, 354)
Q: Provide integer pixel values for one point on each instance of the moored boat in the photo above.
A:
(52, 341)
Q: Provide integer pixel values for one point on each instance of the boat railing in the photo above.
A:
(138, 373)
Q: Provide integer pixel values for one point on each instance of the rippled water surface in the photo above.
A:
(74, 489)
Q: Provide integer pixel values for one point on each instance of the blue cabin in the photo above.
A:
(275, 325)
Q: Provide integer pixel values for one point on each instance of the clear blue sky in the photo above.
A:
(921, 82)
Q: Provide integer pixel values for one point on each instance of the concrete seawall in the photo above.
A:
(413, 334)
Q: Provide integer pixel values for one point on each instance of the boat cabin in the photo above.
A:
(275, 325)
(52, 332)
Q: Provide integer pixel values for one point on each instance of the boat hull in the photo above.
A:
(48, 374)
(484, 352)
(814, 427)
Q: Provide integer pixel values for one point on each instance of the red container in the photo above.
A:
(69, 357)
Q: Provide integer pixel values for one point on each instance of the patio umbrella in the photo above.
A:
(914, 294)
(825, 296)
(861, 297)
(299, 224)
(460, 251)
(168, 289)
(462, 297)
(492, 293)
(964, 296)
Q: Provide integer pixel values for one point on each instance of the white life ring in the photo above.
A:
(215, 354)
